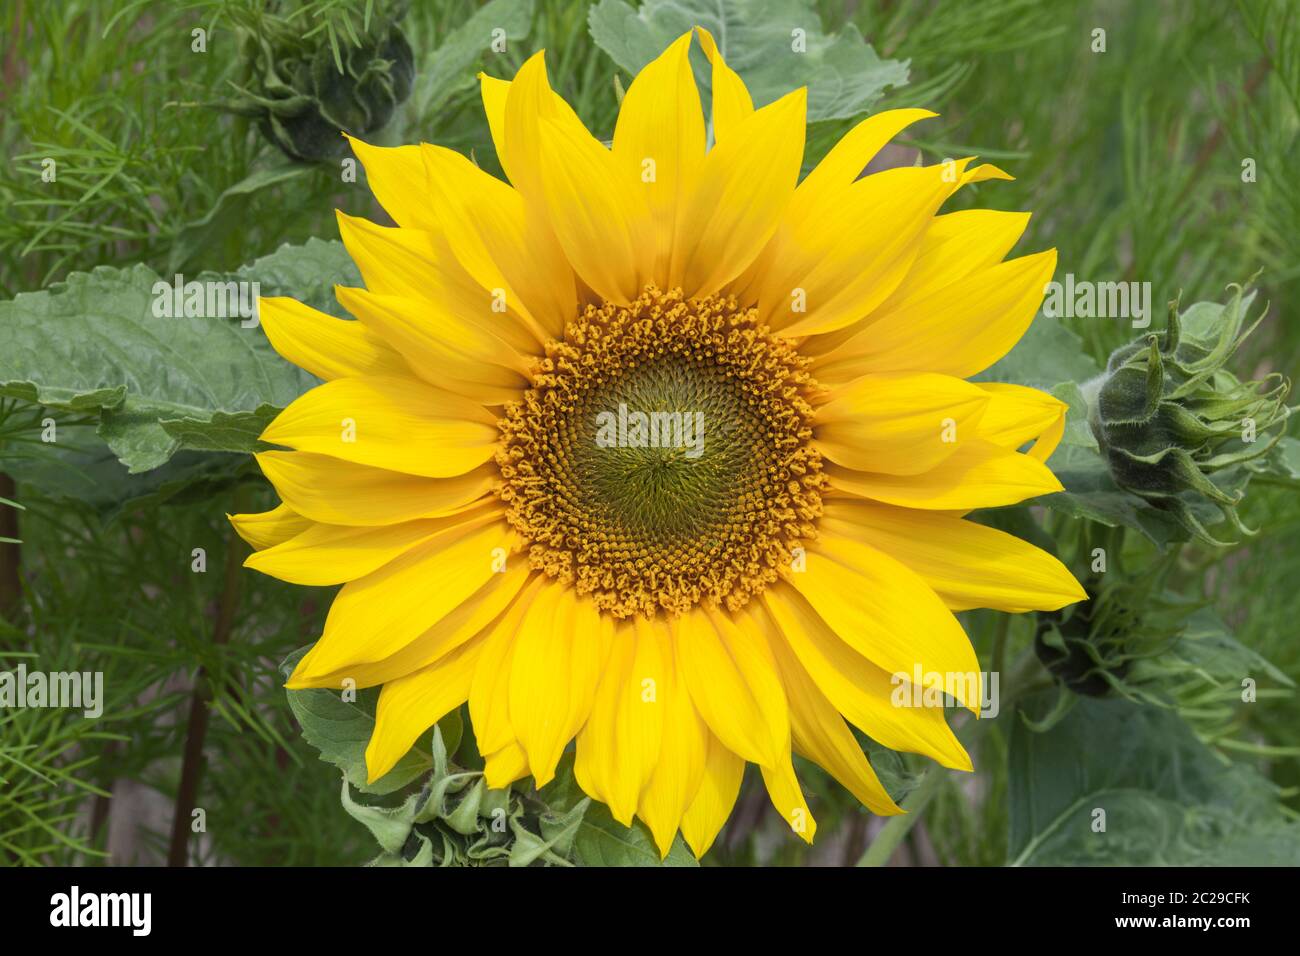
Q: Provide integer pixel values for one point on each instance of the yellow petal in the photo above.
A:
(469, 618)
(1018, 414)
(883, 610)
(327, 554)
(397, 178)
(392, 423)
(821, 734)
(979, 474)
(832, 269)
(270, 528)
(559, 652)
(787, 797)
(1051, 437)
(774, 278)
(327, 347)
(659, 145)
(844, 164)
(744, 188)
(594, 209)
(410, 705)
(494, 92)
(333, 491)
(529, 98)
(392, 261)
(731, 102)
(618, 746)
(968, 564)
(505, 766)
(443, 342)
(960, 330)
(423, 267)
(749, 718)
(858, 689)
(676, 777)
(489, 694)
(374, 617)
(719, 787)
(508, 248)
(956, 245)
(901, 424)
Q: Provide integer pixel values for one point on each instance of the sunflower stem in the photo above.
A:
(896, 828)
(197, 728)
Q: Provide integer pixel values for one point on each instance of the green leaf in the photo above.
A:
(601, 840)
(340, 730)
(306, 272)
(449, 68)
(843, 74)
(1046, 355)
(97, 342)
(1283, 461)
(1078, 433)
(227, 213)
(1168, 800)
(80, 467)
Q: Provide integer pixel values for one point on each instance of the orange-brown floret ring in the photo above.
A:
(645, 520)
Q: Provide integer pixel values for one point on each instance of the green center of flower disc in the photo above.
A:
(663, 455)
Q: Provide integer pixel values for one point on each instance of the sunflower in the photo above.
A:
(659, 448)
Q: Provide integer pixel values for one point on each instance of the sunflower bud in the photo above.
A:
(1174, 423)
(1105, 645)
(307, 87)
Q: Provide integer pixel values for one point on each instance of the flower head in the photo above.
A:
(659, 448)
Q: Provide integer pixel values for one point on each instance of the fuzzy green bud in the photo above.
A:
(1174, 423)
(306, 90)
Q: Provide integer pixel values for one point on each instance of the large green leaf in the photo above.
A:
(1168, 800)
(93, 343)
(307, 272)
(80, 467)
(1046, 355)
(843, 74)
(341, 730)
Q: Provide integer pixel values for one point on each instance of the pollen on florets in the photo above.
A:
(705, 497)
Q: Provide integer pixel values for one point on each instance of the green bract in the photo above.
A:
(1173, 422)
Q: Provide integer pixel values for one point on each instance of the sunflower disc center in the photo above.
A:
(663, 455)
